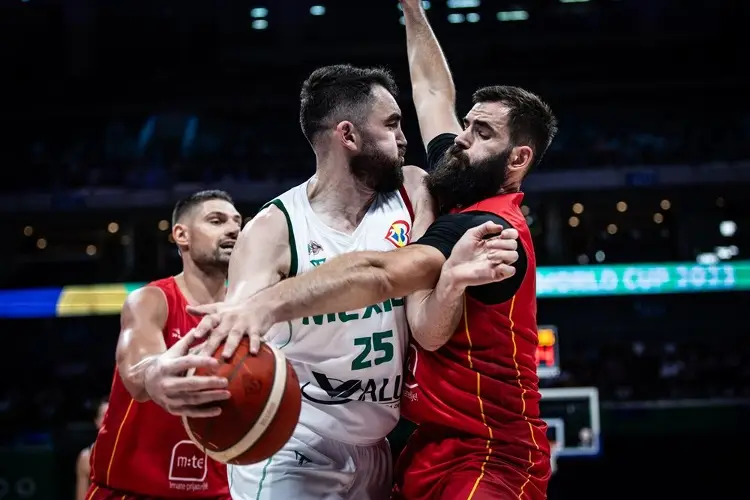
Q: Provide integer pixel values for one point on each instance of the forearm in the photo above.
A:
(428, 67)
(434, 316)
(346, 283)
(133, 374)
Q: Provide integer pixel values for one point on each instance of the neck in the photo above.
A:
(201, 286)
(337, 194)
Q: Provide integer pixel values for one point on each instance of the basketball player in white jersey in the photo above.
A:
(349, 362)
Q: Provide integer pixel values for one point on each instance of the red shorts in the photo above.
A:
(436, 466)
(97, 492)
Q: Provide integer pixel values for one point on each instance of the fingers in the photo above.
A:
(194, 412)
(254, 344)
(503, 272)
(234, 337)
(200, 398)
(500, 244)
(488, 228)
(203, 309)
(212, 344)
(509, 234)
(185, 363)
(177, 387)
(502, 257)
(205, 326)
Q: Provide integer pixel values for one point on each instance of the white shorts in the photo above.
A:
(311, 467)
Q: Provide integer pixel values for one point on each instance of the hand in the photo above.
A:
(484, 254)
(180, 394)
(230, 322)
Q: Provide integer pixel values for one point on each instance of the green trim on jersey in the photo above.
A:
(292, 242)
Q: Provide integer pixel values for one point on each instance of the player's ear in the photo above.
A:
(520, 158)
(180, 235)
(347, 135)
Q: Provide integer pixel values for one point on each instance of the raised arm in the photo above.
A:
(433, 91)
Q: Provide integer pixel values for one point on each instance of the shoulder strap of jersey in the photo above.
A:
(293, 265)
(407, 201)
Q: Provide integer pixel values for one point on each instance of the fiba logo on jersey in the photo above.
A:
(188, 467)
(398, 233)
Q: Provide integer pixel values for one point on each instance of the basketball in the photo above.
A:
(260, 416)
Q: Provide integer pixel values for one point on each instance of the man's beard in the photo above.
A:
(457, 183)
(377, 171)
(216, 261)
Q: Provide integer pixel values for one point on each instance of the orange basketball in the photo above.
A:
(260, 416)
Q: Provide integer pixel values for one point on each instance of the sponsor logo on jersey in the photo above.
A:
(314, 248)
(338, 392)
(176, 333)
(188, 467)
(301, 459)
(317, 262)
(398, 233)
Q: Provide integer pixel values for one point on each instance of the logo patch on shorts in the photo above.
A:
(398, 233)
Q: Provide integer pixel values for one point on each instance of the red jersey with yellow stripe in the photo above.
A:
(142, 449)
(483, 381)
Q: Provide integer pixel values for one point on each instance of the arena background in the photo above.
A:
(114, 109)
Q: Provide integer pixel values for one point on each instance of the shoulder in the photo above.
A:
(273, 219)
(150, 300)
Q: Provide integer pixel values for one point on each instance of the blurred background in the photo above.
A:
(115, 109)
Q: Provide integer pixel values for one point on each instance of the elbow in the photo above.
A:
(428, 344)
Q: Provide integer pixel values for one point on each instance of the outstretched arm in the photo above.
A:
(433, 91)
(359, 279)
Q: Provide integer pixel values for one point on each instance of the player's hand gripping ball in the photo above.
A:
(261, 414)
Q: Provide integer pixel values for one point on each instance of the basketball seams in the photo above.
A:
(265, 418)
(235, 371)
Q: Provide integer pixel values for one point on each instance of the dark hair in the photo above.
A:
(530, 120)
(184, 206)
(339, 92)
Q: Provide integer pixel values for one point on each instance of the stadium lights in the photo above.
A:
(258, 12)
(463, 4)
(317, 10)
(512, 15)
(425, 5)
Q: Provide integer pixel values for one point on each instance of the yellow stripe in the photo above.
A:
(93, 492)
(523, 394)
(481, 404)
(91, 300)
(117, 439)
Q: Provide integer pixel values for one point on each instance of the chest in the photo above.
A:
(178, 324)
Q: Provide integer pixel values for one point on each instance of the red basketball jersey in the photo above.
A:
(483, 381)
(141, 448)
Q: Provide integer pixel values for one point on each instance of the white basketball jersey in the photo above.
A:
(349, 363)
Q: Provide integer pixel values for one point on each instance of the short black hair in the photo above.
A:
(530, 119)
(184, 206)
(339, 92)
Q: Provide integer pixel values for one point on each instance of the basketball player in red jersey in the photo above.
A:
(142, 451)
(475, 394)
(83, 466)
(472, 385)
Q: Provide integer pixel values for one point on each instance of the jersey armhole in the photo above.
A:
(292, 242)
(407, 202)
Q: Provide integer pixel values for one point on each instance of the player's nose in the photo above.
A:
(462, 140)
